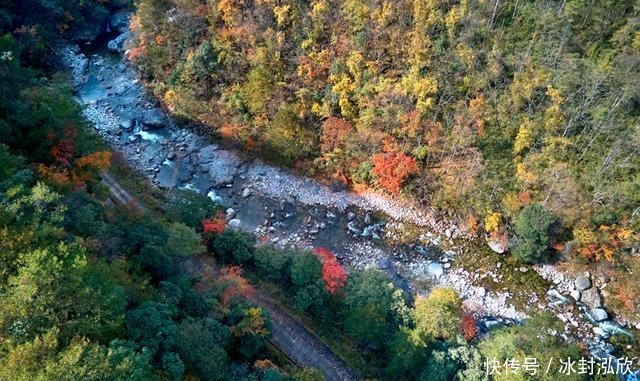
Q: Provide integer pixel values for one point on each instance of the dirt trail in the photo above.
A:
(118, 194)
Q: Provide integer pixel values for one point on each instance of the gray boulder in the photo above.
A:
(234, 223)
(153, 118)
(591, 297)
(78, 63)
(497, 246)
(582, 283)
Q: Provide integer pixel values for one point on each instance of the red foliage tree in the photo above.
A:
(469, 326)
(214, 225)
(333, 274)
(63, 150)
(392, 169)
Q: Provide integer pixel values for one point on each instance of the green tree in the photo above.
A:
(57, 288)
(534, 227)
(201, 343)
(437, 316)
(531, 340)
(272, 263)
(189, 207)
(151, 325)
(234, 246)
(368, 308)
(183, 241)
(289, 139)
(41, 359)
(306, 277)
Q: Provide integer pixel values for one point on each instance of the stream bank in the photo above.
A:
(286, 209)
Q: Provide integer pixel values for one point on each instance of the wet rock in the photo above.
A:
(598, 314)
(491, 323)
(230, 213)
(601, 332)
(78, 63)
(214, 197)
(351, 216)
(167, 177)
(582, 283)
(234, 223)
(246, 192)
(223, 166)
(385, 264)
(353, 228)
(119, 22)
(435, 269)
(367, 218)
(126, 125)
(207, 154)
(133, 138)
(117, 45)
(171, 155)
(153, 118)
(371, 231)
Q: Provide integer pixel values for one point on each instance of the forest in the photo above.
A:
(518, 117)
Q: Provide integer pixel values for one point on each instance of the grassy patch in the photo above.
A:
(477, 257)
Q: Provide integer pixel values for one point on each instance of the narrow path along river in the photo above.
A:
(287, 209)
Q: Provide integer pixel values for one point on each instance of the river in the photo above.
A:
(286, 209)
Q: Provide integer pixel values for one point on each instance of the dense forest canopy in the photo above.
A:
(499, 111)
(522, 114)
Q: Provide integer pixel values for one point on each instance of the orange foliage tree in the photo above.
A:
(333, 274)
(85, 167)
(392, 169)
(233, 285)
(334, 133)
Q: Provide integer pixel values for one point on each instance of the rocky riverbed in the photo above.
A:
(287, 209)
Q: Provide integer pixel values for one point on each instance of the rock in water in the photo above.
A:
(575, 294)
(246, 192)
(598, 314)
(153, 118)
(582, 283)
